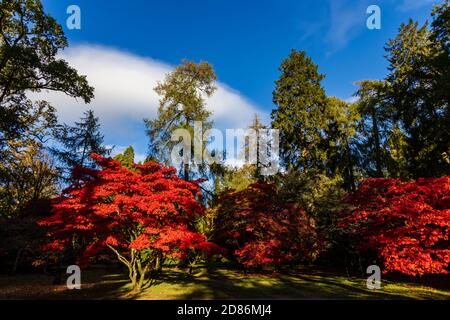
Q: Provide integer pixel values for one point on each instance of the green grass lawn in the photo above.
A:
(216, 284)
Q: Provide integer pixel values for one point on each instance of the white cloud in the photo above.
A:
(124, 95)
(347, 20)
(352, 99)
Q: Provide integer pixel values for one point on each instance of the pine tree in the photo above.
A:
(257, 146)
(78, 142)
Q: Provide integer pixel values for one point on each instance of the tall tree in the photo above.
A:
(418, 65)
(183, 93)
(26, 171)
(342, 119)
(440, 34)
(301, 101)
(315, 130)
(78, 142)
(373, 127)
(29, 43)
(259, 147)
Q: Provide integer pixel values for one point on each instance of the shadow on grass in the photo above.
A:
(95, 284)
(219, 283)
(226, 284)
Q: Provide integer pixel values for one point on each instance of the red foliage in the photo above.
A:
(150, 208)
(406, 223)
(260, 229)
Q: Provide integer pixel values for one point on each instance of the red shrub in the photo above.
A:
(260, 229)
(406, 223)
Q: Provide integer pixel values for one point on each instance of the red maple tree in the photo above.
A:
(260, 229)
(143, 216)
(406, 223)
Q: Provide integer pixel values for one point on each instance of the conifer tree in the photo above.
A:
(78, 142)
(183, 93)
(301, 101)
(418, 76)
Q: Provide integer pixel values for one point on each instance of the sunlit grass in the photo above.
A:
(227, 284)
(217, 284)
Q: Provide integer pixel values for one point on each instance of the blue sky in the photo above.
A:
(245, 41)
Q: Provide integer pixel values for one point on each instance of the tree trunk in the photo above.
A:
(351, 174)
(376, 137)
(186, 171)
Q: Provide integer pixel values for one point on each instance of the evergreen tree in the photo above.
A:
(342, 119)
(315, 130)
(78, 142)
(419, 69)
(301, 102)
(126, 158)
(259, 146)
(183, 93)
(373, 129)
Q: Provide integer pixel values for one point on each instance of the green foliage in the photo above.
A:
(373, 128)
(183, 93)
(315, 130)
(440, 34)
(397, 146)
(27, 175)
(316, 193)
(126, 158)
(300, 113)
(261, 140)
(342, 120)
(29, 43)
(78, 142)
(419, 65)
(235, 178)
